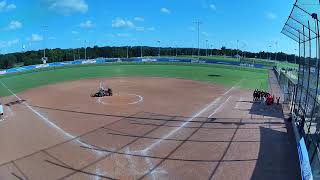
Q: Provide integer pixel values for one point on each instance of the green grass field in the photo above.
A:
(225, 75)
(286, 65)
(224, 58)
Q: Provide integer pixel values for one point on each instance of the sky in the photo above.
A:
(35, 24)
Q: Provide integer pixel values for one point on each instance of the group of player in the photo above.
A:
(264, 97)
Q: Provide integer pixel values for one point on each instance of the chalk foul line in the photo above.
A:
(221, 105)
(47, 121)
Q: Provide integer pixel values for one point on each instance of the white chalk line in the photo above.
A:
(183, 125)
(145, 151)
(221, 105)
(131, 103)
(46, 120)
(233, 87)
(136, 170)
(136, 102)
(195, 116)
(238, 103)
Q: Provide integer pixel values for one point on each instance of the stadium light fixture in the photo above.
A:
(276, 49)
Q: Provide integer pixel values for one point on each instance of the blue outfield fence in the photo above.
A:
(134, 60)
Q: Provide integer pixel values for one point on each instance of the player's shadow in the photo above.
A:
(262, 109)
(278, 157)
(12, 103)
(214, 75)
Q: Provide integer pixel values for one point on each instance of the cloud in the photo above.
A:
(123, 35)
(271, 15)
(74, 32)
(213, 7)
(140, 28)
(67, 7)
(35, 38)
(52, 38)
(151, 29)
(144, 29)
(6, 7)
(205, 34)
(139, 19)
(13, 25)
(165, 10)
(87, 24)
(122, 23)
(6, 44)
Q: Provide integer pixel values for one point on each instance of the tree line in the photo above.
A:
(58, 55)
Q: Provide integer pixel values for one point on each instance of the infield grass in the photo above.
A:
(246, 78)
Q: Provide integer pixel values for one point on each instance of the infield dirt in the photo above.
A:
(153, 128)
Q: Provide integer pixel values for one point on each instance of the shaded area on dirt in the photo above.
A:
(162, 117)
(277, 155)
(15, 102)
(262, 109)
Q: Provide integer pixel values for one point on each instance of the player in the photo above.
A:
(1, 112)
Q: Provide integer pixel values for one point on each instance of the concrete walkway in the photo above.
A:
(281, 155)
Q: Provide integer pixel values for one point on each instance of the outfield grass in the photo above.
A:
(218, 74)
(286, 65)
(264, 62)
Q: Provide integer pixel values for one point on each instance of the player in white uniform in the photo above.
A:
(1, 111)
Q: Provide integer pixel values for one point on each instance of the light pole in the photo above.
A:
(198, 25)
(192, 50)
(44, 40)
(176, 50)
(85, 49)
(270, 52)
(207, 47)
(276, 44)
(141, 55)
(159, 55)
(238, 48)
(244, 50)
(127, 52)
